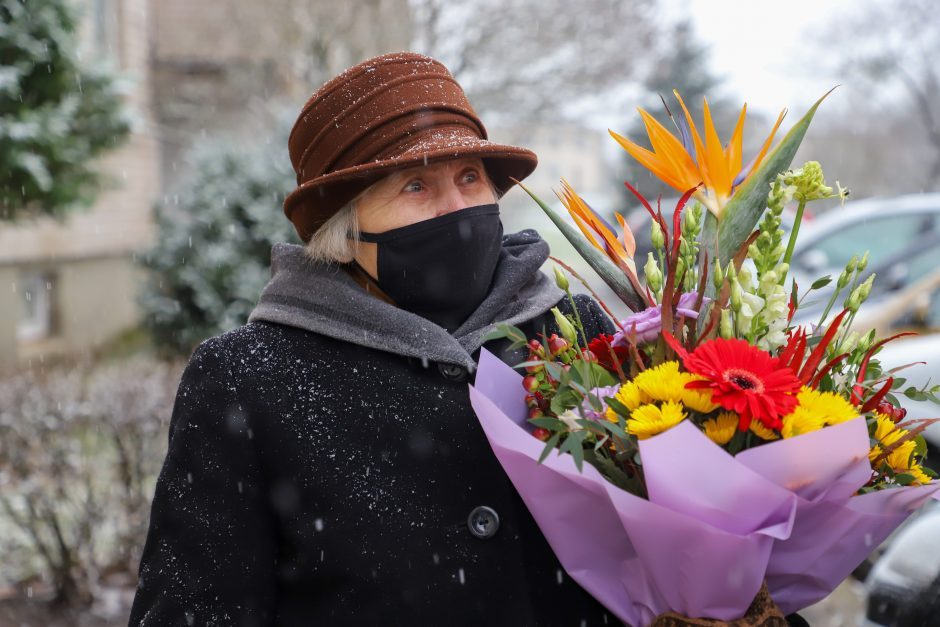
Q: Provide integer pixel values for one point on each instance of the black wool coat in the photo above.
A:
(312, 481)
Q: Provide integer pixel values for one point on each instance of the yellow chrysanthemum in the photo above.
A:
(831, 408)
(666, 383)
(886, 434)
(631, 396)
(919, 475)
(758, 429)
(720, 430)
(801, 420)
(648, 420)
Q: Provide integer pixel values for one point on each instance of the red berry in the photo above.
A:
(557, 344)
(535, 346)
(533, 368)
(535, 412)
(530, 383)
(542, 434)
(896, 414)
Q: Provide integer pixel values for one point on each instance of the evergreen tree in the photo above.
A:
(684, 66)
(215, 233)
(56, 115)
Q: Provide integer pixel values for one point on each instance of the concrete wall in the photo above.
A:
(93, 299)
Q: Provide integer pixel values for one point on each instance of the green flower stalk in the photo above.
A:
(654, 276)
(807, 184)
(718, 277)
(564, 325)
(657, 236)
(561, 280)
(726, 326)
(845, 278)
(689, 245)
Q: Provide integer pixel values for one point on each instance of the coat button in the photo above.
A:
(452, 372)
(483, 522)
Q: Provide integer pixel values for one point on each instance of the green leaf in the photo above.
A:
(574, 444)
(617, 406)
(495, 334)
(613, 473)
(549, 422)
(615, 429)
(526, 364)
(549, 445)
(555, 370)
(741, 214)
(565, 398)
(821, 283)
(604, 267)
(904, 478)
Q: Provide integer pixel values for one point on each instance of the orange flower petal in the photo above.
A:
(699, 147)
(734, 150)
(715, 158)
(672, 152)
(650, 161)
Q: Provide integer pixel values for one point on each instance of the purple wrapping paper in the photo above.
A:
(715, 526)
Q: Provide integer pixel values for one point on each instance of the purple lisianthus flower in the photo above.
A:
(648, 323)
(601, 393)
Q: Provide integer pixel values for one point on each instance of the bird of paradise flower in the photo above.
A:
(688, 161)
(735, 202)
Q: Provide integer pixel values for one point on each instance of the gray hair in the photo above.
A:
(337, 241)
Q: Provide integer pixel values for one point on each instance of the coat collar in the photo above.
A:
(326, 299)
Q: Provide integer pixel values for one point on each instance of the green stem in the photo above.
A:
(832, 301)
(577, 316)
(793, 234)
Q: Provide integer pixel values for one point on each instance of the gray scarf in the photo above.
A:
(324, 299)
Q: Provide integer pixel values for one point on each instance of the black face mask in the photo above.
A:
(441, 268)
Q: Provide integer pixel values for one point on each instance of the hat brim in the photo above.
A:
(312, 203)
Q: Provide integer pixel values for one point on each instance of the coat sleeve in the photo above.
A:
(210, 552)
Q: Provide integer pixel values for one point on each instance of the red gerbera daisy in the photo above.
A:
(601, 347)
(742, 378)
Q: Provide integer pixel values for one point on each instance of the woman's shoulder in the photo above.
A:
(260, 356)
(258, 339)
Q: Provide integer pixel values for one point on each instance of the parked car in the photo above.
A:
(893, 274)
(914, 308)
(885, 227)
(905, 573)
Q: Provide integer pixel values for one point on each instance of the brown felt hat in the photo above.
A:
(389, 112)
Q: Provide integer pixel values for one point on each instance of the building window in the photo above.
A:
(36, 306)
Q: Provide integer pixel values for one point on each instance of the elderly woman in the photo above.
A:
(324, 464)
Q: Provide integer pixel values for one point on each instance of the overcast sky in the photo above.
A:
(756, 46)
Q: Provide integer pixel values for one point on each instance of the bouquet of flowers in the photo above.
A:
(726, 447)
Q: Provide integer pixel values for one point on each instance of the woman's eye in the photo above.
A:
(414, 186)
(470, 176)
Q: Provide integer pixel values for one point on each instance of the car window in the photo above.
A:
(883, 237)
